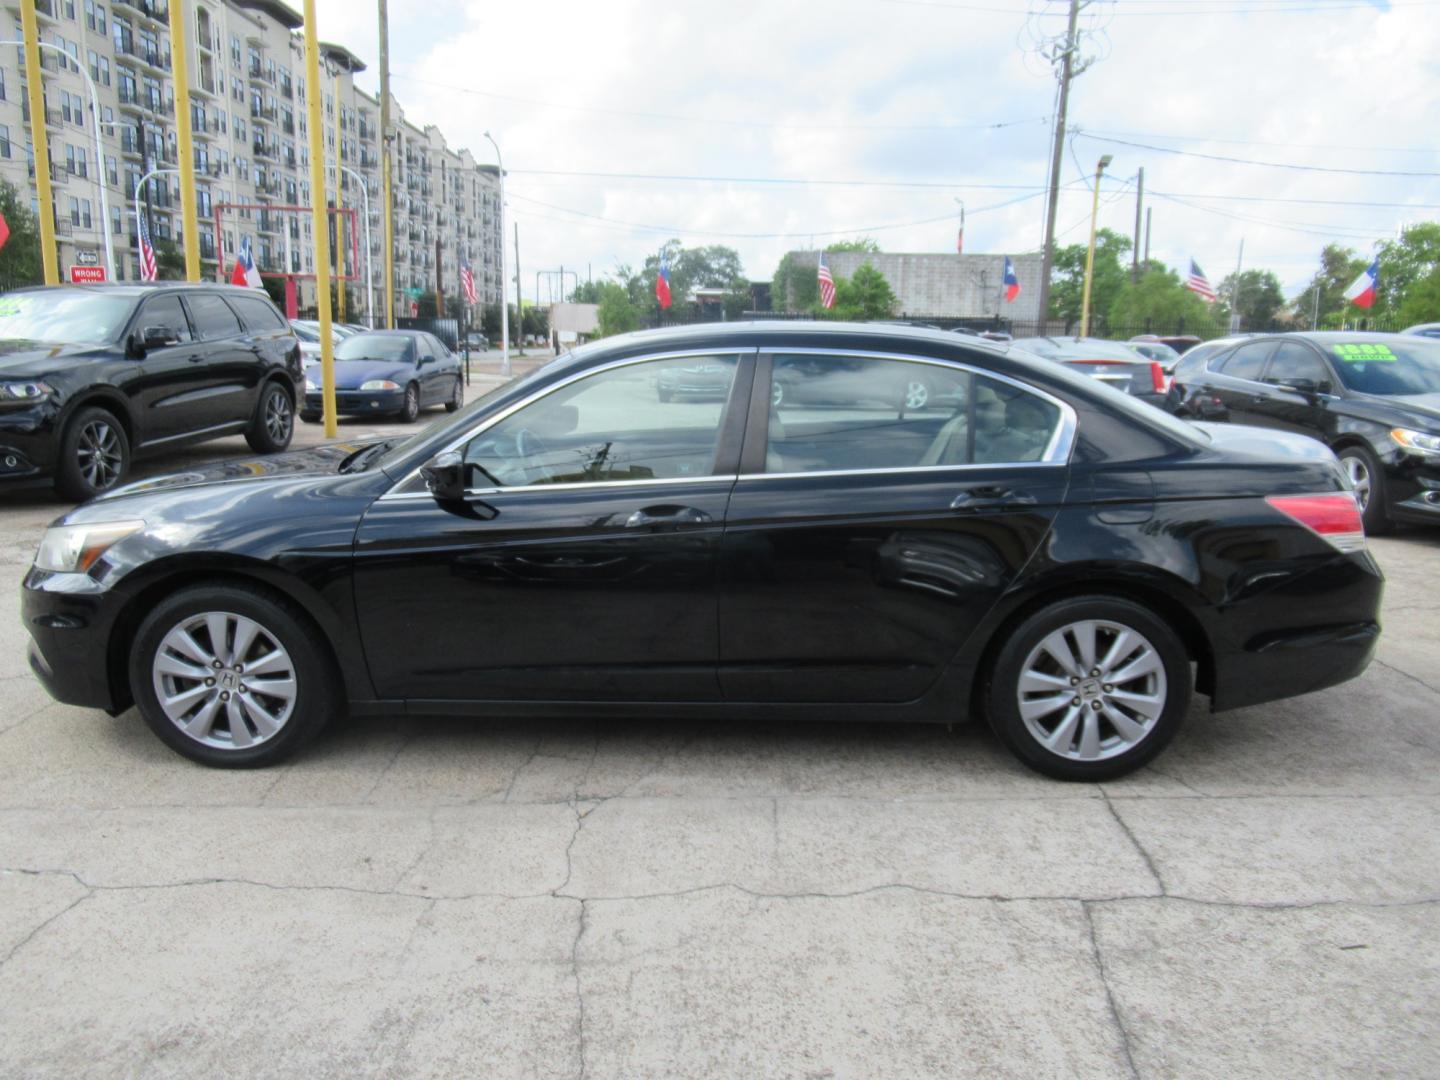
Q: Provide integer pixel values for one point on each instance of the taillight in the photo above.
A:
(1334, 517)
(1157, 377)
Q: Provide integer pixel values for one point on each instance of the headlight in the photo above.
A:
(1418, 441)
(25, 391)
(312, 387)
(74, 549)
(379, 384)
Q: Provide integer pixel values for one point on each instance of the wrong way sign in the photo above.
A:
(87, 275)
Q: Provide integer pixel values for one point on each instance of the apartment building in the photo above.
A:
(251, 147)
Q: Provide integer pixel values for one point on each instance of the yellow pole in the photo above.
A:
(389, 205)
(40, 137)
(339, 218)
(314, 92)
(189, 222)
(1090, 252)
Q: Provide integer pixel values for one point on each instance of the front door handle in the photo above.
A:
(666, 517)
(195, 358)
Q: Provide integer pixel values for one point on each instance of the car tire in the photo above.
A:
(273, 426)
(94, 455)
(1367, 476)
(457, 397)
(411, 409)
(250, 727)
(1050, 661)
(664, 395)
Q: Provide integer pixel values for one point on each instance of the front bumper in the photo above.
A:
(69, 618)
(1412, 488)
(27, 442)
(358, 402)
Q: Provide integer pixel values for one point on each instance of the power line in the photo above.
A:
(722, 121)
(1187, 9)
(1340, 233)
(1263, 164)
(1262, 142)
(778, 180)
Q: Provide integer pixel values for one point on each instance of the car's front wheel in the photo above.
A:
(231, 676)
(1367, 477)
(457, 397)
(94, 455)
(411, 407)
(1089, 688)
(274, 424)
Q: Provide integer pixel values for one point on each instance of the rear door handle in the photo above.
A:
(666, 517)
(984, 495)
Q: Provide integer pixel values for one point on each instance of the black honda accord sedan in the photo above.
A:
(1043, 552)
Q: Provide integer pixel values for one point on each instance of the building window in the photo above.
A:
(4, 140)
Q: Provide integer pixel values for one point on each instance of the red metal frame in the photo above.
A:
(222, 273)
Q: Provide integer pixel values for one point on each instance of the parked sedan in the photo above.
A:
(93, 376)
(1114, 363)
(388, 372)
(1374, 399)
(1047, 554)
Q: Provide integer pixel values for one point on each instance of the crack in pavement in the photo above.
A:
(579, 992)
(1109, 992)
(1135, 842)
(539, 739)
(405, 739)
(36, 931)
(1413, 678)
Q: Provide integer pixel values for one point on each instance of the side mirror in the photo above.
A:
(1325, 386)
(157, 337)
(444, 475)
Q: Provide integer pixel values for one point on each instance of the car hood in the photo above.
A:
(1425, 407)
(311, 461)
(32, 359)
(350, 374)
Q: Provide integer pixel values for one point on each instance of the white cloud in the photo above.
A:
(829, 78)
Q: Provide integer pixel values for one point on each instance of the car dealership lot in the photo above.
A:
(623, 898)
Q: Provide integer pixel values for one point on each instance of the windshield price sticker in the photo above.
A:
(1365, 352)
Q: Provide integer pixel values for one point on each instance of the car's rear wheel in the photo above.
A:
(94, 455)
(1367, 477)
(1089, 688)
(274, 424)
(231, 676)
(411, 408)
(457, 397)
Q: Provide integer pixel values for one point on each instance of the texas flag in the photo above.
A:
(1362, 292)
(245, 272)
(662, 280)
(1012, 283)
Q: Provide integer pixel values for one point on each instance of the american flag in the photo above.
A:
(827, 285)
(467, 282)
(1197, 282)
(147, 253)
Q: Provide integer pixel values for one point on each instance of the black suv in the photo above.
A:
(1374, 399)
(93, 375)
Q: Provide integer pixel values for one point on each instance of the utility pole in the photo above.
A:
(1069, 69)
(1135, 250)
(519, 311)
(385, 139)
(189, 225)
(439, 282)
(1235, 292)
(1090, 251)
(1148, 209)
(40, 138)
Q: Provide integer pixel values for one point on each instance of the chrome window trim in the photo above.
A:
(1057, 451)
(395, 491)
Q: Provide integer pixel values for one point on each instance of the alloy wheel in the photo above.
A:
(777, 394)
(1359, 474)
(224, 680)
(99, 455)
(1092, 690)
(278, 417)
(916, 394)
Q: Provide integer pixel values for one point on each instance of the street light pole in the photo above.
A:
(369, 274)
(504, 269)
(139, 187)
(1090, 252)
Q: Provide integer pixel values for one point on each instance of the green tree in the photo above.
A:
(863, 244)
(617, 314)
(1260, 298)
(1067, 278)
(1410, 274)
(20, 262)
(714, 266)
(1339, 266)
(1160, 300)
(587, 292)
(169, 262)
(795, 286)
(865, 295)
(537, 322)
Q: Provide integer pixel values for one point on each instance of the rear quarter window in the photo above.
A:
(256, 314)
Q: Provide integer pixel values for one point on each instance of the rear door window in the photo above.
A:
(1295, 363)
(258, 315)
(847, 414)
(1246, 362)
(213, 317)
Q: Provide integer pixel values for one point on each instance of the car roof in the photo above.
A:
(791, 331)
(149, 288)
(394, 333)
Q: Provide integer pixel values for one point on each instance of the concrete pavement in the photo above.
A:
(621, 899)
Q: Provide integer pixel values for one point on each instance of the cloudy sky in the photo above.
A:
(775, 124)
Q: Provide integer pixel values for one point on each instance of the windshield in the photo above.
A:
(305, 333)
(374, 347)
(1395, 367)
(62, 316)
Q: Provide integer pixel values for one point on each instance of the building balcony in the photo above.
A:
(154, 10)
